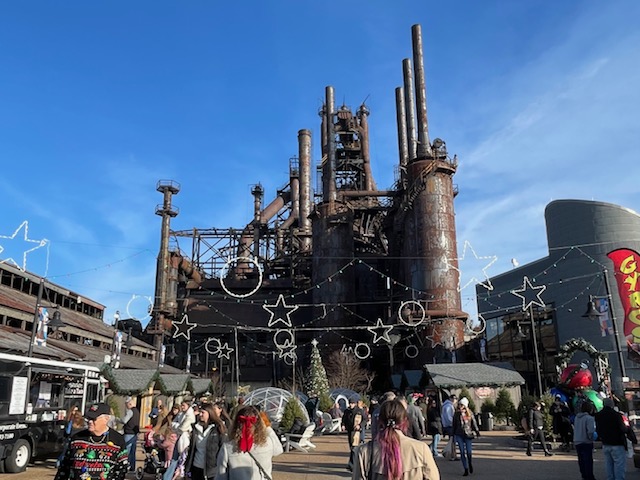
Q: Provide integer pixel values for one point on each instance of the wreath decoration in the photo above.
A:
(566, 351)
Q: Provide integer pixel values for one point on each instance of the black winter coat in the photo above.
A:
(610, 427)
(213, 443)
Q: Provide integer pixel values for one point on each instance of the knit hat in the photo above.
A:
(464, 401)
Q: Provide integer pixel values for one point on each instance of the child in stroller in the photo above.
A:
(154, 457)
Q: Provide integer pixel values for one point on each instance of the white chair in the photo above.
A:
(331, 425)
(301, 442)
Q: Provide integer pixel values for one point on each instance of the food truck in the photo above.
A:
(35, 398)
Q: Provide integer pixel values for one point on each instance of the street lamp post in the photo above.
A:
(536, 353)
(592, 313)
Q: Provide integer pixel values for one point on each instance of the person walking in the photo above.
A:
(612, 432)
(207, 438)
(96, 453)
(392, 455)
(376, 413)
(584, 429)
(182, 424)
(351, 420)
(536, 429)
(448, 410)
(434, 425)
(465, 429)
(131, 428)
(248, 455)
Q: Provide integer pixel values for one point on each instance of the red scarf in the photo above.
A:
(246, 439)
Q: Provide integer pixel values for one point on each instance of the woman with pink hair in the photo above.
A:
(392, 455)
(251, 447)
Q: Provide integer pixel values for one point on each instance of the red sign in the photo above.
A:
(627, 271)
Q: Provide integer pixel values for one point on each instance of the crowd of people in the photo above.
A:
(199, 440)
(205, 440)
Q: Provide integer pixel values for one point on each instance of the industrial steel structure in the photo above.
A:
(345, 258)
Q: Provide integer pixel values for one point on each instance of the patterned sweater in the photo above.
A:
(91, 457)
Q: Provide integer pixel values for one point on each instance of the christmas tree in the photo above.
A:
(317, 383)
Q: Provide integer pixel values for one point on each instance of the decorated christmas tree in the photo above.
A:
(317, 383)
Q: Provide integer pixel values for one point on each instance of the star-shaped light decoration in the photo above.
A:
(183, 327)
(225, 350)
(280, 312)
(472, 265)
(529, 294)
(445, 332)
(39, 244)
(380, 327)
(288, 350)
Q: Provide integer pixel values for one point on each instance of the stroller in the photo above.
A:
(153, 458)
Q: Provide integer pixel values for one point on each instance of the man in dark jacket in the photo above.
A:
(611, 431)
(351, 420)
(131, 427)
(536, 429)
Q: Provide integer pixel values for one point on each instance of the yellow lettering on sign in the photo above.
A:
(632, 280)
(628, 265)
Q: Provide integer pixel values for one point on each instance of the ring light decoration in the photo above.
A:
(148, 315)
(408, 304)
(226, 268)
(475, 331)
(411, 351)
(358, 351)
(213, 349)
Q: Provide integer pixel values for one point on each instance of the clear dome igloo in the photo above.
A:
(272, 400)
(342, 396)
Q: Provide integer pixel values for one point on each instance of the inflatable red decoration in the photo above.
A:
(576, 377)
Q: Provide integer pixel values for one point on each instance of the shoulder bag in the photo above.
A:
(262, 470)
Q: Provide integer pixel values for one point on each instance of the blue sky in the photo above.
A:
(100, 100)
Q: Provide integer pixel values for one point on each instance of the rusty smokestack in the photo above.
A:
(304, 154)
(329, 193)
(409, 102)
(424, 146)
(401, 120)
(363, 113)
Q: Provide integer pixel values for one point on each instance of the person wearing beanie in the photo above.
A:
(612, 432)
(465, 429)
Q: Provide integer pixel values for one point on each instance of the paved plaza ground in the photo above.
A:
(496, 456)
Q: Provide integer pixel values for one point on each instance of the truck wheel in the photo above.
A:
(19, 458)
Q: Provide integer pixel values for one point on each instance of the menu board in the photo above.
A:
(18, 395)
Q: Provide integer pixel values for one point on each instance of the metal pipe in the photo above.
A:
(330, 194)
(363, 114)
(424, 146)
(401, 120)
(323, 129)
(409, 102)
(304, 156)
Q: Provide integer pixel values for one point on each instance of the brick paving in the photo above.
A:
(496, 456)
